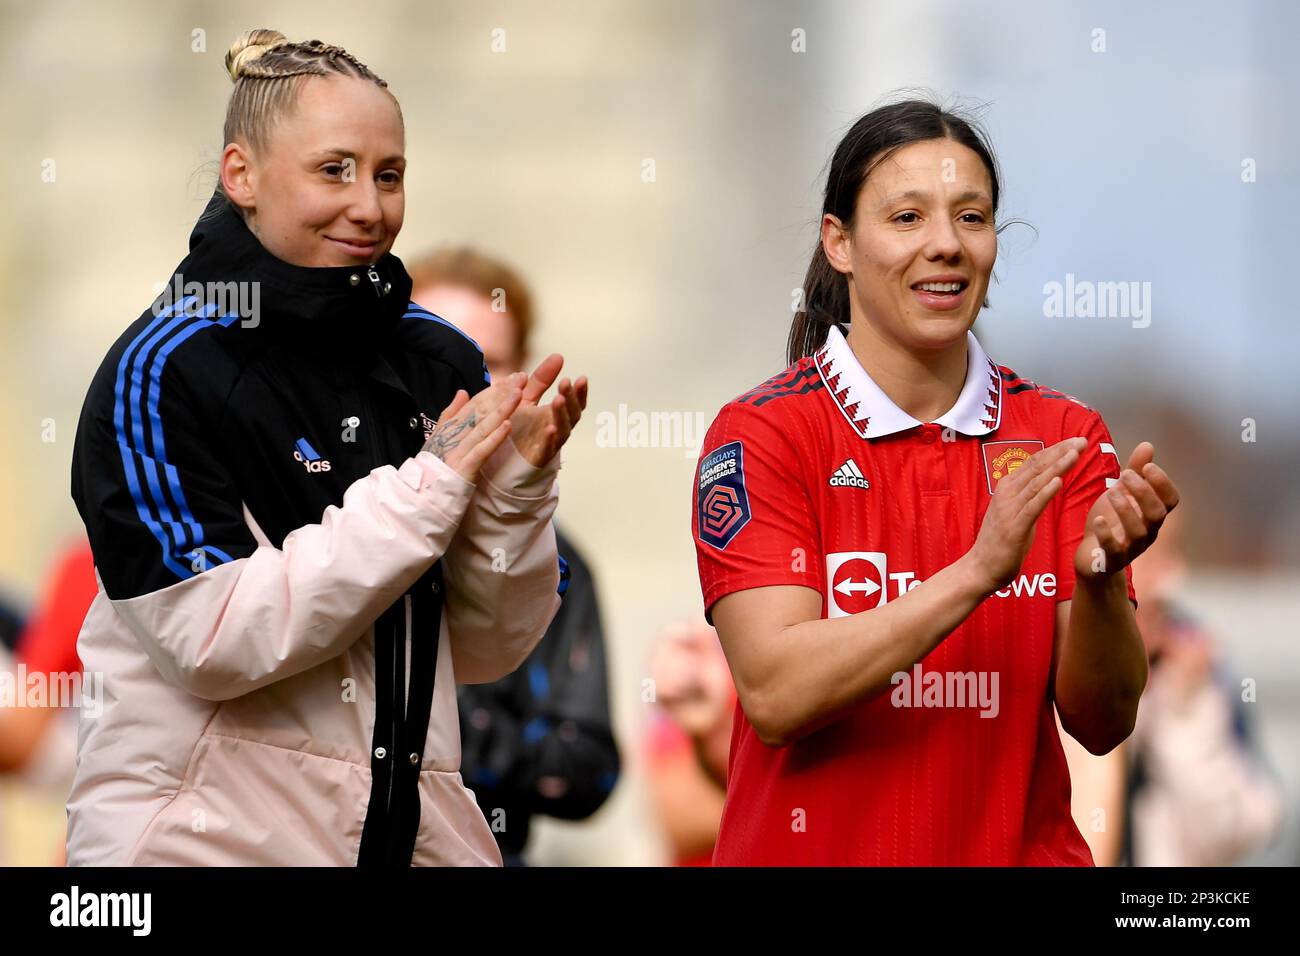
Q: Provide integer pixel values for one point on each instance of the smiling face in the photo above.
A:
(327, 190)
(925, 213)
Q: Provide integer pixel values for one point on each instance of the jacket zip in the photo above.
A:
(379, 447)
(381, 289)
(396, 700)
(392, 820)
(393, 813)
(393, 728)
(385, 643)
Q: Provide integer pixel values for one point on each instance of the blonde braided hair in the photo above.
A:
(258, 60)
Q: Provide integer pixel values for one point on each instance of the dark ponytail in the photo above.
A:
(870, 141)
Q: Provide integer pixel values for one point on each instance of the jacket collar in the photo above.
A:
(336, 308)
(872, 413)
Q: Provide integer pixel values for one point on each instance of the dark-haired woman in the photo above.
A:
(898, 620)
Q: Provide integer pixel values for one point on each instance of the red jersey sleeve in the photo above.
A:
(751, 515)
(1087, 481)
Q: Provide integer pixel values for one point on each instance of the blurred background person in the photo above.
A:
(1198, 790)
(48, 645)
(539, 741)
(1190, 787)
(38, 744)
(689, 739)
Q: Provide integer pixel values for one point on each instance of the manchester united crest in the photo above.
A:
(1001, 458)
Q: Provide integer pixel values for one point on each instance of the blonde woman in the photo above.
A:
(310, 513)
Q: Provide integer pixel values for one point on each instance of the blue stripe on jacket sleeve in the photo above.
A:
(415, 311)
(185, 540)
(564, 577)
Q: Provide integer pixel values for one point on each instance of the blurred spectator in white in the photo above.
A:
(1199, 793)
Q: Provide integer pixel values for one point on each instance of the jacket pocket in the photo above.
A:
(245, 803)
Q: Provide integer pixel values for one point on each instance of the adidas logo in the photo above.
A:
(311, 460)
(849, 475)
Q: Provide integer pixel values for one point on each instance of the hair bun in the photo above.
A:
(248, 47)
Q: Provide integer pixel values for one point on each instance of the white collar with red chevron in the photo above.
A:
(872, 413)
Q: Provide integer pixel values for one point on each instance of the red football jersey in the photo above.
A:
(816, 478)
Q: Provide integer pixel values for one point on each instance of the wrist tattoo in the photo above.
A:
(448, 435)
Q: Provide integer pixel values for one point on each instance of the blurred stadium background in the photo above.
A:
(674, 295)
